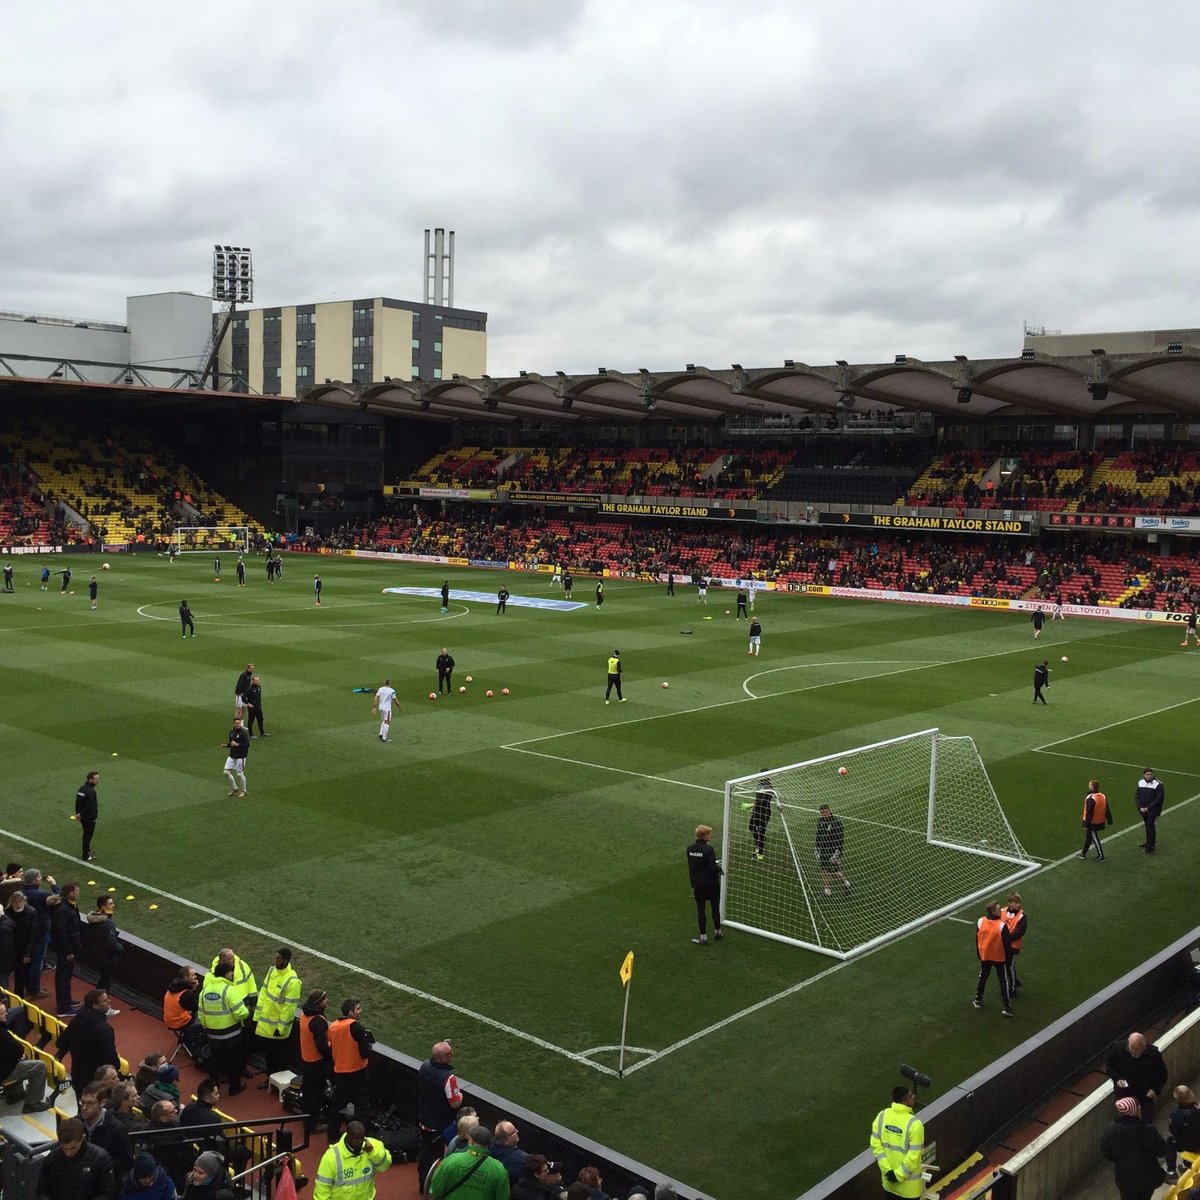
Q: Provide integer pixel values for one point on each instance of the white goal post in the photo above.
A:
(211, 539)
(914, 832)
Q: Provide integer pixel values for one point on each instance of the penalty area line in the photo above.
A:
(342, 964)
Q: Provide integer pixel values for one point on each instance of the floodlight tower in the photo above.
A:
(233, 284)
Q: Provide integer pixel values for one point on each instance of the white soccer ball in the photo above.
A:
(104, 566)
(470, 678)
(462, 691)
(1064, 658)
(666, 684)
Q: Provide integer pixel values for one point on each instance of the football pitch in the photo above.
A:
(483, 875)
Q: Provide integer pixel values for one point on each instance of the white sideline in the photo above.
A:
(396, 985)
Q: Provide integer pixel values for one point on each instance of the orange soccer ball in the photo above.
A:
(504, 691)
(490, 693)
(433, 695)
(843, 771)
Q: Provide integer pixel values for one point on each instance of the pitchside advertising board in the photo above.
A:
(1016, 526)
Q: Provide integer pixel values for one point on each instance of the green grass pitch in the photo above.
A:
(483, 875)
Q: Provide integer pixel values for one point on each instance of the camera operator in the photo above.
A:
(897, 1141)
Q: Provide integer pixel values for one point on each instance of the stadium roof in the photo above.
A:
(1091, 387)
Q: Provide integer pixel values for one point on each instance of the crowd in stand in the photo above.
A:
(1060, 566)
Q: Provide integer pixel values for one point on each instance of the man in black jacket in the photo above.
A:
(1184, 1126)
(1041, 679)
(705, 873)
(239, 690)
(27, 1076)
(75, 1169)
(66, 936)
(1137, 1069)
(1134, 1147)
(445, 669)
(254, 707)
(1149, 796)
(89, 1040)
(102, 1131)
(238, 746)
(87, 809)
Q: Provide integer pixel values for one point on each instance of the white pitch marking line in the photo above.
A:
(908, 663)
(616, 1046)
(201, 924)
(450, 1006)
(1113, 724)
(1112, 762)
(578, 762)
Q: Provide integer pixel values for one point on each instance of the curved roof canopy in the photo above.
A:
(1094, 387)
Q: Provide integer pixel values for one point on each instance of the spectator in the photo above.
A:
(103, 941)
(540, 1180)
(26, 1076)
(589, 1177)
(102, 1131)
(1134, 1147)
(89, 1040)
(122, 1100)
(460, 1137)
(1137, 1069)
(36, 897)
(202, 1110)
(18, 925)
(438, 1096)
(208, 1179)
(75, 1169)
(164, 1087)
(504, 1148)
(147, 1180)
(488, 1178)
(146, 1071)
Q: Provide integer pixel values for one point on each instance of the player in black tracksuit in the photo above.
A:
(185, 619)
(705, 873)
(741, 605)
(446, 596)
(761, 814)
(1041, 679)
(241, 572)
(445, 668)
(254, 710)
(502, 595)
(87, 809)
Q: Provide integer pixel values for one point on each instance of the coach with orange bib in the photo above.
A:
(1096, 815)
(350, 1045)
(993, 945)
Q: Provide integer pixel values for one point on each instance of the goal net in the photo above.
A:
(211, 539)
(914, 831)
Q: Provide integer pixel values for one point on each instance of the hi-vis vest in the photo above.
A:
(220, 1011)
(175, 1016)
(1099, 808)
(243, 978)
(989, 940)
(1012, 919)
(309, 1051)
(344, 1175)
(614, 665)
(277, 1001)
(347, 1057)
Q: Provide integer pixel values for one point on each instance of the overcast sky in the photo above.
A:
(632, 184)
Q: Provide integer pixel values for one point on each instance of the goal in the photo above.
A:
(211, 539)
(921, 831)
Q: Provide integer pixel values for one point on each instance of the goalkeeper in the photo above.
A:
(829, 843)
(761, 815)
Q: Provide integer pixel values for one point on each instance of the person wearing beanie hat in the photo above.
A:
(208, 1179)
(147, 1180)
(1134, 1147)
(164, 1087)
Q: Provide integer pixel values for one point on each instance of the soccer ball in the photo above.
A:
(666, 684)
(462, 691)
(843, 771)
(470, 678)
(504, 691)
(104, 566)
(433, 695)
(72, 591)
(1064, 658)
(490, 693)
(727, 611)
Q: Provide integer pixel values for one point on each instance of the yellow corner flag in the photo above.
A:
(627, 968)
